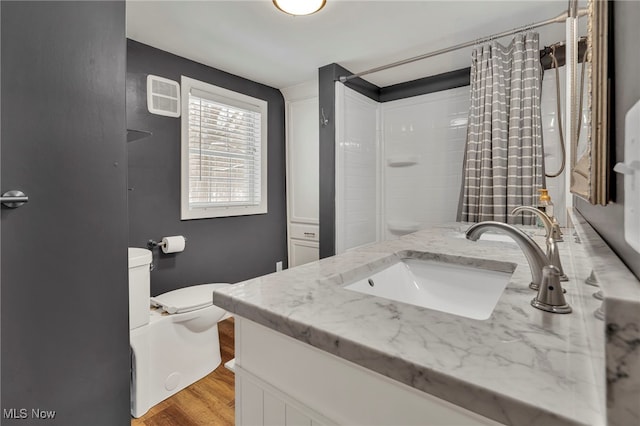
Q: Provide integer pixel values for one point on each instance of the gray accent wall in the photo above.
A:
(327, 161)
(64, 304)
(423, 86)
(608, 220)
(228, 249)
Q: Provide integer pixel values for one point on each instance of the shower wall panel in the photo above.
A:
(424, 140)
(357, 169)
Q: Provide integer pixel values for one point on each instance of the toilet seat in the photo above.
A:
(187, 299)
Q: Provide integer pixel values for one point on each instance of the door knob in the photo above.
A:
(13, 199)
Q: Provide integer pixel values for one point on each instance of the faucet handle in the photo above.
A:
(556, 232)
(550, 297)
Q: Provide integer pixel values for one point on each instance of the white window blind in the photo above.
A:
(224, 144)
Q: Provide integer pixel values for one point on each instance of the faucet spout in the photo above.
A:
(535, 256)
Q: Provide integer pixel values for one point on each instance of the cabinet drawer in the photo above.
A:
(304, 232)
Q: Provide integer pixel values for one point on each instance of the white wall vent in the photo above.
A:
(163, 96)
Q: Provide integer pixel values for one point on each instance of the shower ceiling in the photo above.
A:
(254, 40)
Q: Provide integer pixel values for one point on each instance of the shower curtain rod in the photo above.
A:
(558, 19)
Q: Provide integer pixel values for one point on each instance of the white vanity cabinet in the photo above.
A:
(302, 123)
(282, 381)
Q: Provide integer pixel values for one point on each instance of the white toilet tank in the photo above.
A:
(139, 286)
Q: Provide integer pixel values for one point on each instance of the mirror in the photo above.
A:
(590, 159)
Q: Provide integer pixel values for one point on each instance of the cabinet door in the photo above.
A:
(302, 156)
(302, 252)
(250, 411)
(260, 404)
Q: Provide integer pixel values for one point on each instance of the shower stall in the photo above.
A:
(399, 164)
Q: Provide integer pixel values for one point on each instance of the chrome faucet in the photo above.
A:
(550, 297)
(545, 276)
(552, 248)
(535, 256)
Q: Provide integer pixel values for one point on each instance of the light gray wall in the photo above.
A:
(229, 249)
(608, 221)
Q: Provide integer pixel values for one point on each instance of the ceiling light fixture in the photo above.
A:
(299, 7)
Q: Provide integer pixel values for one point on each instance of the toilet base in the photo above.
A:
(171, 353)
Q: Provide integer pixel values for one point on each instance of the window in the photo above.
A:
(224, 152)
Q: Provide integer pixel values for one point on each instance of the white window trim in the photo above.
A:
(232, 98)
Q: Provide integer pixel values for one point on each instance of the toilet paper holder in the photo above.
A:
(151, 244)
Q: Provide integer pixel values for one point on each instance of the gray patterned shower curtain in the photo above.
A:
(503, 165)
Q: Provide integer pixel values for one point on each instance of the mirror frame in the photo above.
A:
(590, 178)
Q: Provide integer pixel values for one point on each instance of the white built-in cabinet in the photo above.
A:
(302, 142)
(283, 381)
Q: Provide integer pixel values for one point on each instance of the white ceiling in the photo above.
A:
(254, 40)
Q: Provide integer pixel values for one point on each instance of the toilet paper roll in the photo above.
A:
(173, 244)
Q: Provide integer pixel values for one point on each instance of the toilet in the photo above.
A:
(173, 336)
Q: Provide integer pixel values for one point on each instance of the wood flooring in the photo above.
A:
(208, 402)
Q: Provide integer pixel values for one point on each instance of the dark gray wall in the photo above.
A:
(327, 161)
(65, 333)
(423, 86)
(229, 249)
(608, 220)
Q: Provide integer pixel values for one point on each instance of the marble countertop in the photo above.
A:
(621, 290)
(522, 366)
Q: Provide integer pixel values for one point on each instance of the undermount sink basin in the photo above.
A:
(460, 289)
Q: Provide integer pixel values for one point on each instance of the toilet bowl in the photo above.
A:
(174, 341)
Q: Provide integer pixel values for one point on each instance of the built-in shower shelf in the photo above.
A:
(403, 226)
(402, 160)
(134, 135)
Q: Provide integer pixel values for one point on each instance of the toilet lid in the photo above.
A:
(188, 298)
